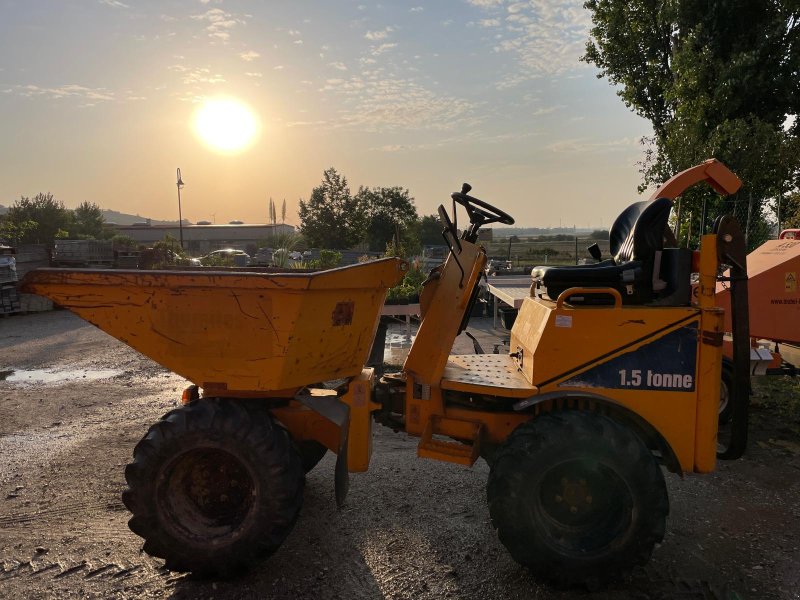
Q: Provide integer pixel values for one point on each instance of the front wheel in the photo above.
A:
(214, 487)
(577, 498)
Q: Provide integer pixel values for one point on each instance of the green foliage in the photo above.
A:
(790, 212)
(87, 222)
(429, 231)
(394, 249)
(14, 232)
(168, 253)
(332, 218)
(281, 240)
(414, 277)
(123, 241)
(390, 212)
(409, 289)
(218, 260)
(280, 257)
(714, 79)
(49, 214)
(328, 259)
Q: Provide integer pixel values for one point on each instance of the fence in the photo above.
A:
(529, 252)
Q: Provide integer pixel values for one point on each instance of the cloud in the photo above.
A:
(583, 146)
(377, 50)
(378, 35)
(371, 102)
(546, 110)
(70, 90)
(547, 37)
(306, 123)
(114, 3)
(416, 9)
(472, 137)
(249, 56)
(339, 66)
(220, 23)
(254, 74)
(198, 75)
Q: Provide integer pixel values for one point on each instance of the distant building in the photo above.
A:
(201, 239)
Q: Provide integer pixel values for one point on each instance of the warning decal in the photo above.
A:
(667, 364)
(790, 281)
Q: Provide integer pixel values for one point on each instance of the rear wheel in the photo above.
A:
(214, 487)
(577, 498)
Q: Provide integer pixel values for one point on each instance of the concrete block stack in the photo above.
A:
(9, 298)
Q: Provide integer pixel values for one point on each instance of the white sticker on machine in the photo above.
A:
(563, 320)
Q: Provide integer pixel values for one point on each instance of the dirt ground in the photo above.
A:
(410, 528)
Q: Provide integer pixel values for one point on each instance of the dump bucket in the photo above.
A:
(234, 333)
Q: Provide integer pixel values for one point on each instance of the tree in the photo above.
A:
(790, 212)
(51, 218)
(87, 221)
(429, 231)
(390, 212)
(332, 218)
(714, 79)
(13, 232)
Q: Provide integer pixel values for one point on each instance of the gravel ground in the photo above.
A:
(410, 528)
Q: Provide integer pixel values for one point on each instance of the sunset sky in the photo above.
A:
(98, 102)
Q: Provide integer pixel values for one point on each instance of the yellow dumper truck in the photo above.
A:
(613, 370)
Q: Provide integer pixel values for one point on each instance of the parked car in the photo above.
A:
(240, 258)
(494, 266)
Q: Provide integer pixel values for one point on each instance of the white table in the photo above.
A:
(402, 310)
(509, 290)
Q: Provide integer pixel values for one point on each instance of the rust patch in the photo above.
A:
(342, 314)
(712, 338)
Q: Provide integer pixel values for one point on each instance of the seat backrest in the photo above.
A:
(639, 231)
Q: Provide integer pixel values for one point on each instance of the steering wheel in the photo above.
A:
(480, 212)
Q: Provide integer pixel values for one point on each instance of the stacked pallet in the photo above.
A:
(30, 257)
(83, 253)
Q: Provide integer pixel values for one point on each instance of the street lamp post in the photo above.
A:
(180, 216)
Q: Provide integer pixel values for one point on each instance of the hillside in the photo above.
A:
(113, 216)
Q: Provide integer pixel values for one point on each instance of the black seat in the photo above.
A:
(636, 242)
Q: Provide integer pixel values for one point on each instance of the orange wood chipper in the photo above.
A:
(612, 372)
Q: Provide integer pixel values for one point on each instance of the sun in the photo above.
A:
(225, 125)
